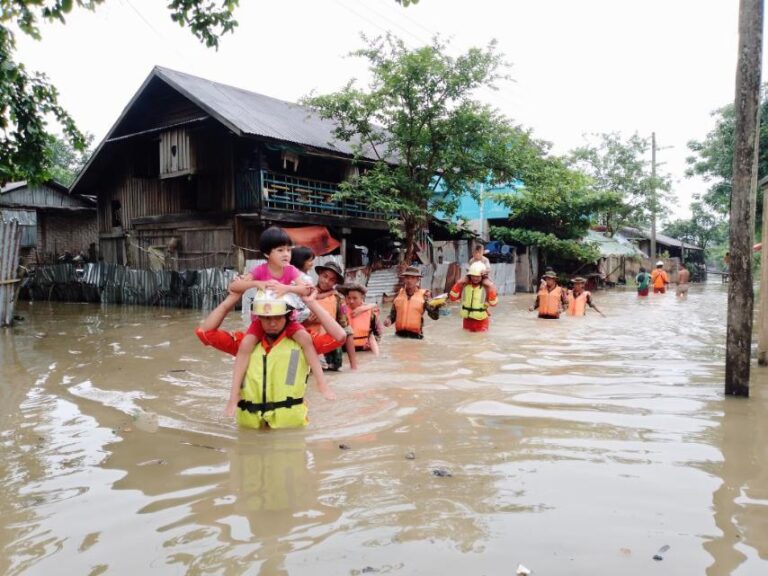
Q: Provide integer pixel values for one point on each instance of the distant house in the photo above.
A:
(192, 172)
(53, 221)
(672, 246)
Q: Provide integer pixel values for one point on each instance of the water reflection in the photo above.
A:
(575, 447)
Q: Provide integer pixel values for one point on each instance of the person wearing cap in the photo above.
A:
(643, 281)
(659, 278)
(551, 299)
(579, 299)
(363, 318)
(477, 293)
(407, 313)
(268, 385)
(328, 276)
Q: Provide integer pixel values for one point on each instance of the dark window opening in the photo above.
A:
(117, 213)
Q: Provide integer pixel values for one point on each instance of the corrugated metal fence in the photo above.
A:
(10, 237)
(114, 284)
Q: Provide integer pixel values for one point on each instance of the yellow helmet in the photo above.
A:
(477, 269)
(267, 303)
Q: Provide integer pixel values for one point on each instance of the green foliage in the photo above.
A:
(712, 157)
(28, 101)
(622, 168)
(419, 120)
(704, 228)
(554, 248)
(67, 161)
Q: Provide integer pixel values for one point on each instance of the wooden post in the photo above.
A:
(653, 198)
(747, 108)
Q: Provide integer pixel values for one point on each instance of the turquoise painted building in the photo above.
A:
(477, 214)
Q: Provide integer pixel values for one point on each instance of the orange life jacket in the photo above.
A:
(577, 305)
(410, 311)
(330, 304)
(549, 302)
(361, 327)
(659, 278)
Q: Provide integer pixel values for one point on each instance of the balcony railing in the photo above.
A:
(283, 192)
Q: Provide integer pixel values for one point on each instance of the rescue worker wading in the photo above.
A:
(477, 293)
(551, 299)
(272, 392)
(407, 313)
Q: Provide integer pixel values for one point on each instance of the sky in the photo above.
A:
(578, 67)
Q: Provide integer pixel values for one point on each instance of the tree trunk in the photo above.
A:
(740, 295)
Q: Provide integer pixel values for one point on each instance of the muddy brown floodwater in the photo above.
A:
(573, 447)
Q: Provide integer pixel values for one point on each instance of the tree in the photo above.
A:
(621, 167)
(554, 210)
(28, 101)
(67, 161)
(704, 228)
(712, 157)
(430, 140)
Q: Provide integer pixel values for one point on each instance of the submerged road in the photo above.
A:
(577, 447)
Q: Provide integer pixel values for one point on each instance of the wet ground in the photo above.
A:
(573, 447)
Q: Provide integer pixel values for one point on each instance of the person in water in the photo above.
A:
(477, 293)
(659, 278)
(407, 312)
(363, 318)
(643, 281)
(280, 277)
(551, 299)
(328, 276)
(683, 281)
(579, 299)
(272, 392)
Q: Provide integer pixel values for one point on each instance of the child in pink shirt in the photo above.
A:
(278, 276)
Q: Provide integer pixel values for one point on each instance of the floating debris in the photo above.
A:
(344, 446)
(442, 473)
(153, 462)
(522, 570)
(177, 370)
(410, 455)
(203, 446)
(660, 554)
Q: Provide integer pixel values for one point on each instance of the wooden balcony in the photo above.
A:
(284, 193)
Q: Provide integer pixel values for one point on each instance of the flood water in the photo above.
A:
(574, 447)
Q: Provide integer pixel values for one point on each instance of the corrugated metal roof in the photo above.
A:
(249, 113)
(612, 246)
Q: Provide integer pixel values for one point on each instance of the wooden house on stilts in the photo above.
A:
(192, 171)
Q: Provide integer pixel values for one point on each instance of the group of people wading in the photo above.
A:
(298, 328)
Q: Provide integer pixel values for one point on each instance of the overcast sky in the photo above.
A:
(578, 66)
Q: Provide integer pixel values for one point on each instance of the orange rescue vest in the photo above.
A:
(410, 311)
(549, 302)
(577, 305)
(361, 327)
(659, 278)
(330, 304)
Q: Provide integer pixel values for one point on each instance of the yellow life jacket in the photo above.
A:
(473, 302)
(577, 305)
(549, 302)
(410, 311)
(273, 390)
(361, 327)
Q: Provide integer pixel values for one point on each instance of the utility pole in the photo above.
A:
(653, 198)
(747, 107)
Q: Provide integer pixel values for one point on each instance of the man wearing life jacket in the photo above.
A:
(272, 392)
(551, 299)
(659, 278)
(328, 276)
(210, 334)
(477, 293)
(579, 299)
(407, 313)
(363, 318)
